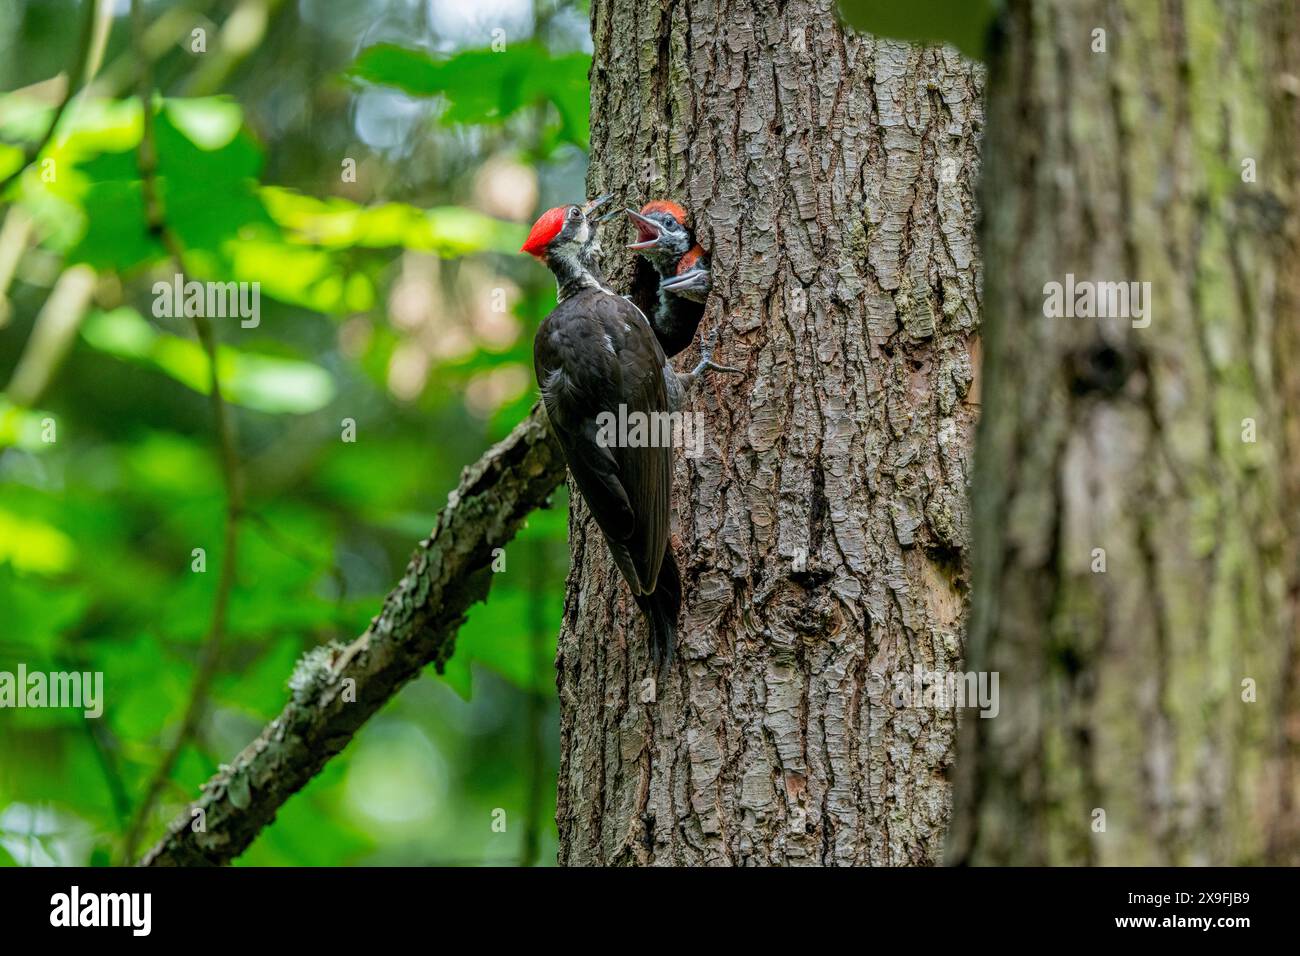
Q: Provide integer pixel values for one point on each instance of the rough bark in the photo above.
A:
(336, 689)
(1122, 691)
(823, 532)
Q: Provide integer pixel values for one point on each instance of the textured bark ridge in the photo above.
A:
(1122, 690)
(823, 532)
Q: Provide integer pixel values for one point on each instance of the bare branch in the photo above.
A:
(53, 333)
(336, 688)
(210, 655)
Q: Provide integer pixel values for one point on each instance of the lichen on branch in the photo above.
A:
(338, 688)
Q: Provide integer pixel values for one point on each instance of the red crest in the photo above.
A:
(544, 230)
(665, 205)
(690, 260)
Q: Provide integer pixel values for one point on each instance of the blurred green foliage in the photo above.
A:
(483, 86)
(963, 23)
(376, 193)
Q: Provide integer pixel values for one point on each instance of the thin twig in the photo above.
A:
(293, 549)
(102, 741)
(52, 335)
(210, 655)
(75, 75)
(336, 689)
(14, 236)
(105, 747)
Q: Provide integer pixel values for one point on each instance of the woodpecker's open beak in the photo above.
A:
(595, 204)
(647, 231)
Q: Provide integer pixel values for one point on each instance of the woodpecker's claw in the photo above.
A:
(680, 386)
(707, 366)
(706, 358)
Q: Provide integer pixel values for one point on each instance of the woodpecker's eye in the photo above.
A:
(573, 212)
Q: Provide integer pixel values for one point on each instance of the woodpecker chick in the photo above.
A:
(667, 243)
(662, 235)
(692, 280)
(594, 353)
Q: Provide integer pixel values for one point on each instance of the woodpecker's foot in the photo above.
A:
(693, 284)
(706, 359)
(681, 386)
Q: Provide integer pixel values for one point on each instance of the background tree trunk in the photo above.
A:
(823, 533)
(1123, 691)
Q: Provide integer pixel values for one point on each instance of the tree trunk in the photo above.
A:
(1128, 733)
(823, 532)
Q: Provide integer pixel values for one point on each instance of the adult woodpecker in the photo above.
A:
(593, 353)
(667, 243)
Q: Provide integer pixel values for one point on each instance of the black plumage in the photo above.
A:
(594, 353)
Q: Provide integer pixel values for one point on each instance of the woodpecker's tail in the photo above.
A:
(661, 608)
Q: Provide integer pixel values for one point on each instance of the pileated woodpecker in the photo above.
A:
(594, 353)
(668, 244)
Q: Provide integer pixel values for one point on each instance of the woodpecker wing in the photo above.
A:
(595, 353)
(647, 470)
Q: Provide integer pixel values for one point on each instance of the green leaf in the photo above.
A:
(22, 427)
(36, 611)
(11, 159)
(300, 275)
(94, 208)
(487, 86)
(277, 385)
(963, 23)
(33, 546)
(261, 382)
(210, 123)
(115, 235)
(165, 466)
(409, 70)
(498, 636)
(340, 224)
